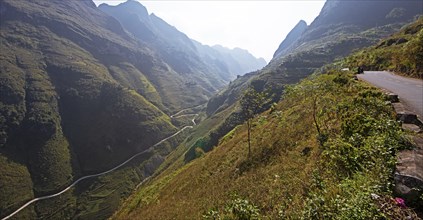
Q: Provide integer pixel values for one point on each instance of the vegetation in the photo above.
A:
(291, 174)
(251, 104)
(401, 52)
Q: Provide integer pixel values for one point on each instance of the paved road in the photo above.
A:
(410, 91)
(108, 171)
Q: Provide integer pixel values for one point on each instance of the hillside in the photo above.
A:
(401, 52)
(314, 157)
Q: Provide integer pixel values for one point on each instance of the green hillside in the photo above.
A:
(295, 172)
(401, 52)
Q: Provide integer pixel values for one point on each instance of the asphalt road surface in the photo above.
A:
(410, 91)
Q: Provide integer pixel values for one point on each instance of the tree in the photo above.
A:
(251, 104)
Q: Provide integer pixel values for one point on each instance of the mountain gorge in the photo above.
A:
(83, 88)
(81, 92)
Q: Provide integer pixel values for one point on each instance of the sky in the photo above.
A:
(257, 26)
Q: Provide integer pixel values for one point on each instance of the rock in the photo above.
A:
(401, 41)
(403, 114)
(407, 188)
(411, 127)
(389, 42)
(409, 172)
(393, 97)
(407, 117)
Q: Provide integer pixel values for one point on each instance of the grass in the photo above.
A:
(293, 172)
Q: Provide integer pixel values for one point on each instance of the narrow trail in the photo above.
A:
(112, 169)
(177, 113)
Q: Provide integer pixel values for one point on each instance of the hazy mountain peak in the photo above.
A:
(130, 6)
(292, 36)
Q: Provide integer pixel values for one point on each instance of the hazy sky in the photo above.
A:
(257, 26)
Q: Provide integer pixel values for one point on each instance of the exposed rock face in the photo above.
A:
(409, 173)
(290, 39)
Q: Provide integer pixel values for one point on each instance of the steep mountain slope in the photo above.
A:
(290, 39)
(401, 52)
(326, 151)
(334, 34)
(314, 157)
(174, 47)
(79, 94)
(184, 55)
(290, 175)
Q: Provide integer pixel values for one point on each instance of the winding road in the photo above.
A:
(409, 90)
(110, 170)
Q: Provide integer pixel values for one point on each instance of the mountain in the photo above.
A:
(235, 61)
(335, 33)
(77, 97)
(290, 39)
(244, 61)
(174, 47)
(82, 91)
(180, 52)
(326, 150)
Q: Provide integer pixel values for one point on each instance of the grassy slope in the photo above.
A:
(289, 175)
(402, 52)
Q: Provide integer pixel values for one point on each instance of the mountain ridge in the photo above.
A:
(182, 53)
(290, 38)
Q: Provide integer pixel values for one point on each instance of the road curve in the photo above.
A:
(176, 115)
(105, 172)
(409, 90)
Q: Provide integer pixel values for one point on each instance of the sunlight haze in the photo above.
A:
(257, 26)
